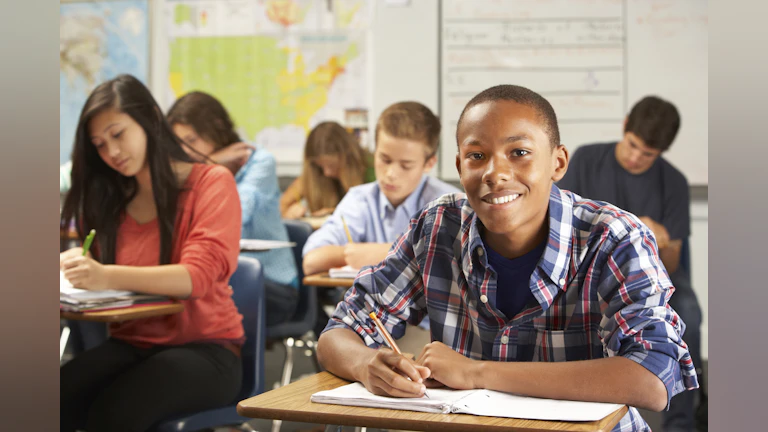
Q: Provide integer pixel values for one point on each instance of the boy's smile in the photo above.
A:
(507, 167)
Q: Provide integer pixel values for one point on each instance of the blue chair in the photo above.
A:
(248, 293)
(304, 318)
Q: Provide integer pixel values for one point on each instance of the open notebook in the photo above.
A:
(477, 402)
(66, 290)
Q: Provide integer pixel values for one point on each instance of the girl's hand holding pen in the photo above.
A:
(85, 272)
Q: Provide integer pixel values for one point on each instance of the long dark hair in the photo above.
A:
(99, 195)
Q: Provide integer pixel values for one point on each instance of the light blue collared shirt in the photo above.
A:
(370, 216)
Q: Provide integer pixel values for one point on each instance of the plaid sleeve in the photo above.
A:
(637, 321)
(393, 289)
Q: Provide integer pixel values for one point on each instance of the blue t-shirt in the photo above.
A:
(513, 290)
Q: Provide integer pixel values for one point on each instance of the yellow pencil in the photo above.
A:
(346, 228)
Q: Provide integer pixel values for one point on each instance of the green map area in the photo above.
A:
(261, 83)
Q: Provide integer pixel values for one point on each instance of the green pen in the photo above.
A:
(88, 241)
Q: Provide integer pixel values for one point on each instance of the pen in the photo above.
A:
(346, 228)
(88, 241)
(388, 338)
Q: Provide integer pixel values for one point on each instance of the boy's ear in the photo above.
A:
(560, 159)
(430, 163)
(458, 165)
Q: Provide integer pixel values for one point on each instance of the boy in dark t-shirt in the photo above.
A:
(633, 175)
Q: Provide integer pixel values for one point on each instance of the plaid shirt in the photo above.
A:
(600, 289)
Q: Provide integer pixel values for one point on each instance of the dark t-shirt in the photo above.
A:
(660, 193)
(513, 290)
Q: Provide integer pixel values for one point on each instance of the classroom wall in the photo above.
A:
(405, 55)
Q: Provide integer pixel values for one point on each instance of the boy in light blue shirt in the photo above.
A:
(376, 213)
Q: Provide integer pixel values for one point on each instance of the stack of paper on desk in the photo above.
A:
(258, 245)
(79, 300)
(346, 272)
(477, 402)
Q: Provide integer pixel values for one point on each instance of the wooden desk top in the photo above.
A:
(323, 280)
(292, 403)
(124, 314)
(315, 221)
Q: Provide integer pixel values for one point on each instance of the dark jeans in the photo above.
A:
(281, 302)
(680, 416)
(117, 387)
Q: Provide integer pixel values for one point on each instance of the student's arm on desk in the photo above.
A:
(208, 254)
(614, 379)
(358, 255)
(343, 353)
(168, 280)
(323, 258)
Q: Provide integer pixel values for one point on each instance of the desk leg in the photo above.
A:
(63, 342)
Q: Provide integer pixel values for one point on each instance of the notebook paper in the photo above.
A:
(346, 272)
(66, 290)
(355, 394)
(487, 403)
(258, 245)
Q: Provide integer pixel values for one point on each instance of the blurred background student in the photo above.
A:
(333, 163)
(206, 129)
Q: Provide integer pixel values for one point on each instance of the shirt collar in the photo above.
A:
(557, 254)
(410, 205)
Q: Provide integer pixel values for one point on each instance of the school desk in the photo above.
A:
(292, 403)
(323, 280)
(115, 315)
(315, 221)
(124, 314)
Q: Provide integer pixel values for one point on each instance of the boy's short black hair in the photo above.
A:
(655, 121)
(522, 96)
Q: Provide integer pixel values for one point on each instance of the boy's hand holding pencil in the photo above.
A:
(389, 373)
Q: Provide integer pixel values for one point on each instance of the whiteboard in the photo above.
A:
(592, 59)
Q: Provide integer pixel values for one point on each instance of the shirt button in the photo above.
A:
(562, 282)
(484, 298)
(480, 251)
(505, 340)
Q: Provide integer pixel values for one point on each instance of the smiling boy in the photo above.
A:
(528, 289)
